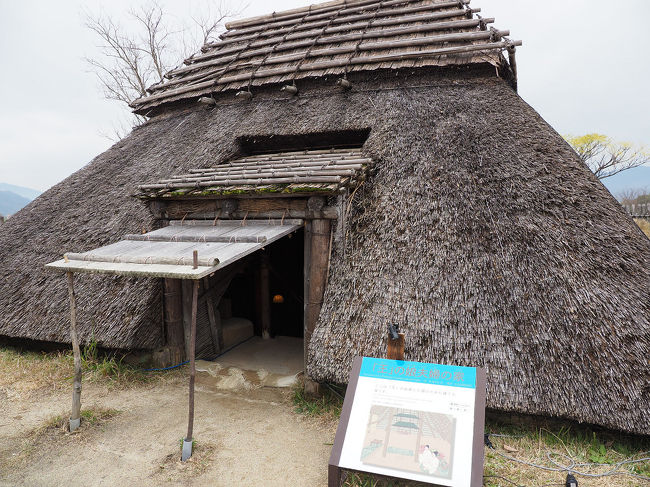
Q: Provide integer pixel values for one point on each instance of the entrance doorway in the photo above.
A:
(239, 308)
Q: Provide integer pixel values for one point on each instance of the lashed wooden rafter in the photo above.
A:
(337, 168)
(334, 38)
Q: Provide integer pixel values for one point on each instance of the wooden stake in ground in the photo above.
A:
(187, 443)
(395, 347)
(75, 416)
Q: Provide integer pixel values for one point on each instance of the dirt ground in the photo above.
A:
(243, 438)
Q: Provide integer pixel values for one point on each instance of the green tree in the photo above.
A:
(606, 157)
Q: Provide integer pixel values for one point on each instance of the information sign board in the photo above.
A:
(412, 420)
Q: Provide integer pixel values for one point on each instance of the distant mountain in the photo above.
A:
(28, 193)
(11, 202)
(632, 179)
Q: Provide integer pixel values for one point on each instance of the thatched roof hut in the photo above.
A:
(477, 228)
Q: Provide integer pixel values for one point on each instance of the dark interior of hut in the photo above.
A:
(285, 291)
(340, 139)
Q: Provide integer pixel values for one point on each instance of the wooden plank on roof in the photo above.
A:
(170, 259)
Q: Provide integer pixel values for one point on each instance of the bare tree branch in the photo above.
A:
(605, 157)
(131, 60)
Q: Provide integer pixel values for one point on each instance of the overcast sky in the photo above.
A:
(584, 67)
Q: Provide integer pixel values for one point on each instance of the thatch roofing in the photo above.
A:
(479, 231)
(295, 172)
(334, 38)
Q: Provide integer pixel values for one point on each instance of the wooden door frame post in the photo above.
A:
(174, 333)
(265, 294)
(318, 241)
(187, 442)
(75, 416)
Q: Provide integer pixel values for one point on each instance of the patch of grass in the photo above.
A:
(592, 450)
(90, 416)
(356, 479)
(175, 471)
(25, 371)
(644, 225)
(559, 444)
(110, 367)
(329, 403)
(180, 443)
(53, 432)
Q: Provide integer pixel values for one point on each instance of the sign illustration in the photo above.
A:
(414, 421)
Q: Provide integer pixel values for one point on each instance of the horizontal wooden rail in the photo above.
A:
(323, 28)
(306, 163)
(364, 46)
(383, 58)
(339, 17)
(329, 64)
(233, 223)
(264, 173)
(319, 9)
(195, 238)
(246, 182)
(254, 48)
(203, 262)
(218, 179)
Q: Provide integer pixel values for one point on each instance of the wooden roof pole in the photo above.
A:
(75, 415)
(187, 442)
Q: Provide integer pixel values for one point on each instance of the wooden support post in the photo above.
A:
(395, 348)
(317, 268)
(174, 333)
(214, 317)
(187, 287)
(75, 416)
(333, 476)
(190, 421)
(265, 295)
(305, 298)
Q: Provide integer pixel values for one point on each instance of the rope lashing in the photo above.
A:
(361, 39)
(316, 39)
(273, 49)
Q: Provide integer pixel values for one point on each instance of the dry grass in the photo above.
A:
(602, 451)
(24, 372)
(554, 445)
(53, 432)
(173, 470)
(644, 225)
(559, 447)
